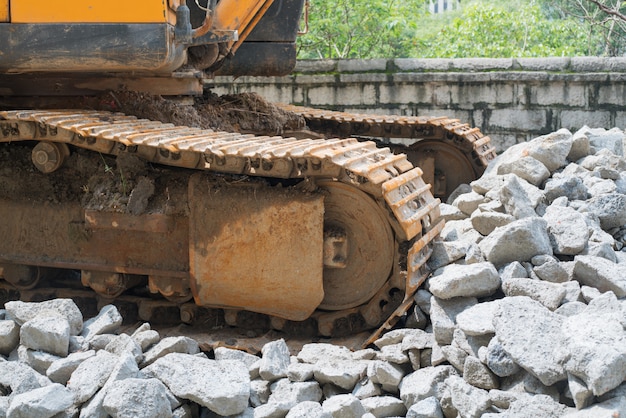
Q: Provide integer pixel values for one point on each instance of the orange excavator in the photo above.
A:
(330, 235)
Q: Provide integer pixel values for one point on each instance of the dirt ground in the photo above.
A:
(127, 183)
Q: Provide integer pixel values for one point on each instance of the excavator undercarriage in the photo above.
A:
(342, 237)
(325, 235)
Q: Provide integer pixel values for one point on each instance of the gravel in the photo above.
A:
(524, 315)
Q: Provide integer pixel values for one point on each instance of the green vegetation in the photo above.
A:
(487, 28)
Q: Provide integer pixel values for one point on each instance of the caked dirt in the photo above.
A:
(127, 183)
(245, 112)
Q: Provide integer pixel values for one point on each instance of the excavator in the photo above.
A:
(329, 234)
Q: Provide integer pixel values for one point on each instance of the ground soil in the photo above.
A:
(126, 183)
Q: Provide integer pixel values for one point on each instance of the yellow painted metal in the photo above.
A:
(256, 248)
(91, 11)
(4, 10)
(240, 15)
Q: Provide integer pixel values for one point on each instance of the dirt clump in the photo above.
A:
(244, 112)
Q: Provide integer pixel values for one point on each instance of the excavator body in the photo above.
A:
(163, 47)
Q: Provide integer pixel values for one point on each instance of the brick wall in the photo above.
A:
(511, 100)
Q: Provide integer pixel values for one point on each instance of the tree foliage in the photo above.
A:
(487, 28)
(354, 29)
(493, 30)
(602, 21)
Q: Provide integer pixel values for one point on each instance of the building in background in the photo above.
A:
(440, 6)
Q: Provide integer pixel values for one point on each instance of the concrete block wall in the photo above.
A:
(511, 100)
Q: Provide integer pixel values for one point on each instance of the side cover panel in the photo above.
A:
(43, 47)
(4, 10)
(90, 11)
(256, 248)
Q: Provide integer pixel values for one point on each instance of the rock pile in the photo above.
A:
(523, 316)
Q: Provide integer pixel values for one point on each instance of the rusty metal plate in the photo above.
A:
(256, 247)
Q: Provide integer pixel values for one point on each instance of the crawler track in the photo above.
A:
(459, 152)
(388, 178)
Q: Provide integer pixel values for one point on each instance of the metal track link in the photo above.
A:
(469, 140)
(390, 179)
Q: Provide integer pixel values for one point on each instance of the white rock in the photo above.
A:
(417, 340)
(124, 343)
(367, 389)
(478, 375)
(170, 345)
(595, 343)
(46, 401)
(342, 373)
(601, 273)
(478, 319)
(384, 406)
(468, 400)
(221, 386)
(224, 353)
(551, 149)
(443, 315)
(259, 392)
(91, 375)
(38, 360)
(581, 395)
(445, 252)
(528, 168)
(528, 332)
(290, 394)
(48, 331)
(536, 406)
(518, 241)
(300, 372)
(107, 321)
(146, 338)
(565, 186)
(571, 308)
(499, 361)
(20, 377)
(470, 343)
(343, 406)
(468, 202)
(486, 222)
(455, 356)
(424, 383)
(613, 139)
(138, 398)
(567, 230)
(393, 354)
(611, 408)
(124, 368)
(610, 209)
(455, 280)
(551, 270)
(24, 311)
(516, 199)
(275, 360)
(9, 336)
(448, 212)
(306, 409)
(384, 373)
(548, 294)
(316, 352)
(426, 408)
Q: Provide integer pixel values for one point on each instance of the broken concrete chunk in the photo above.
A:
(528, 332)
(455, 280)
(518, 241)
